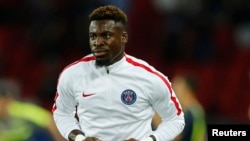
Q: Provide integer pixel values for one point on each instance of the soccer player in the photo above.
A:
(110, 95)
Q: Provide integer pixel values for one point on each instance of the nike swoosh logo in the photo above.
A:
(86, 95)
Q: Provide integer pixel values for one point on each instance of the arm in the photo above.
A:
(54, 131)
(156, 121)
(65, 106)
(64, 110)
(171, 118)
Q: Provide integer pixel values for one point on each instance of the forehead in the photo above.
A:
(103, 25)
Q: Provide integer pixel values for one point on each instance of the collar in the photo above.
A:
(117, 66)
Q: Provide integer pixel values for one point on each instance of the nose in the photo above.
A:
(98, 41)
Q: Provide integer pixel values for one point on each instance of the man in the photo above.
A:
(112, 96)
(185, 87)
(23, 121)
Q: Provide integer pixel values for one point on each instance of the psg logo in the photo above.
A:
(128, 97)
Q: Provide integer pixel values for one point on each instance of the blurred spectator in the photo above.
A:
(189, 6)
(249, 105)
(122, 4)
(242, 36)
(249, 112)
(23, 121)
(185, 86)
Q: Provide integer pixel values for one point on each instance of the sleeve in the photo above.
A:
(167, 105)
(64, 108)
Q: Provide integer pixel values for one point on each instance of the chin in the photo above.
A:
(101, 62)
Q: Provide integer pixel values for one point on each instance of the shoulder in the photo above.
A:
(144, 66)
(149, 72)
(78, 66)
(134, 60)
(75, 70)
(139, 63)
(83, 61)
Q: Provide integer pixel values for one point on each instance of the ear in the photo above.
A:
(124, 37)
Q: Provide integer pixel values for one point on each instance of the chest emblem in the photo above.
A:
(128, 97)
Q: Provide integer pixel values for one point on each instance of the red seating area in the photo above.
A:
(224, 79)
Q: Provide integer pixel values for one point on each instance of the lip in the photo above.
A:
(100, 53)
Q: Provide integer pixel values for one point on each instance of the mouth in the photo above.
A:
(100, 53)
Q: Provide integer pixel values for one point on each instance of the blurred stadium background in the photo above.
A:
(210, 38)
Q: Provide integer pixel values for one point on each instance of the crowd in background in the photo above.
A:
(210, 38)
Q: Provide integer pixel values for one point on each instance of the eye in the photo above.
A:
(92, 36)
(107, 36)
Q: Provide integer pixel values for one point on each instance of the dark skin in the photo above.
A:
(107, 40)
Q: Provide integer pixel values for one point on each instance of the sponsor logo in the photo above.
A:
(87, 95)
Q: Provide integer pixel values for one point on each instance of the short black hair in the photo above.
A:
(109, 12)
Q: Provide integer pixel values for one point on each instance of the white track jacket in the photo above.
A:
(116, 102)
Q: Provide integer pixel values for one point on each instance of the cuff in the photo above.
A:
(80, 137)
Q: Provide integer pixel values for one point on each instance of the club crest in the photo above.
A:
(128, 97)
